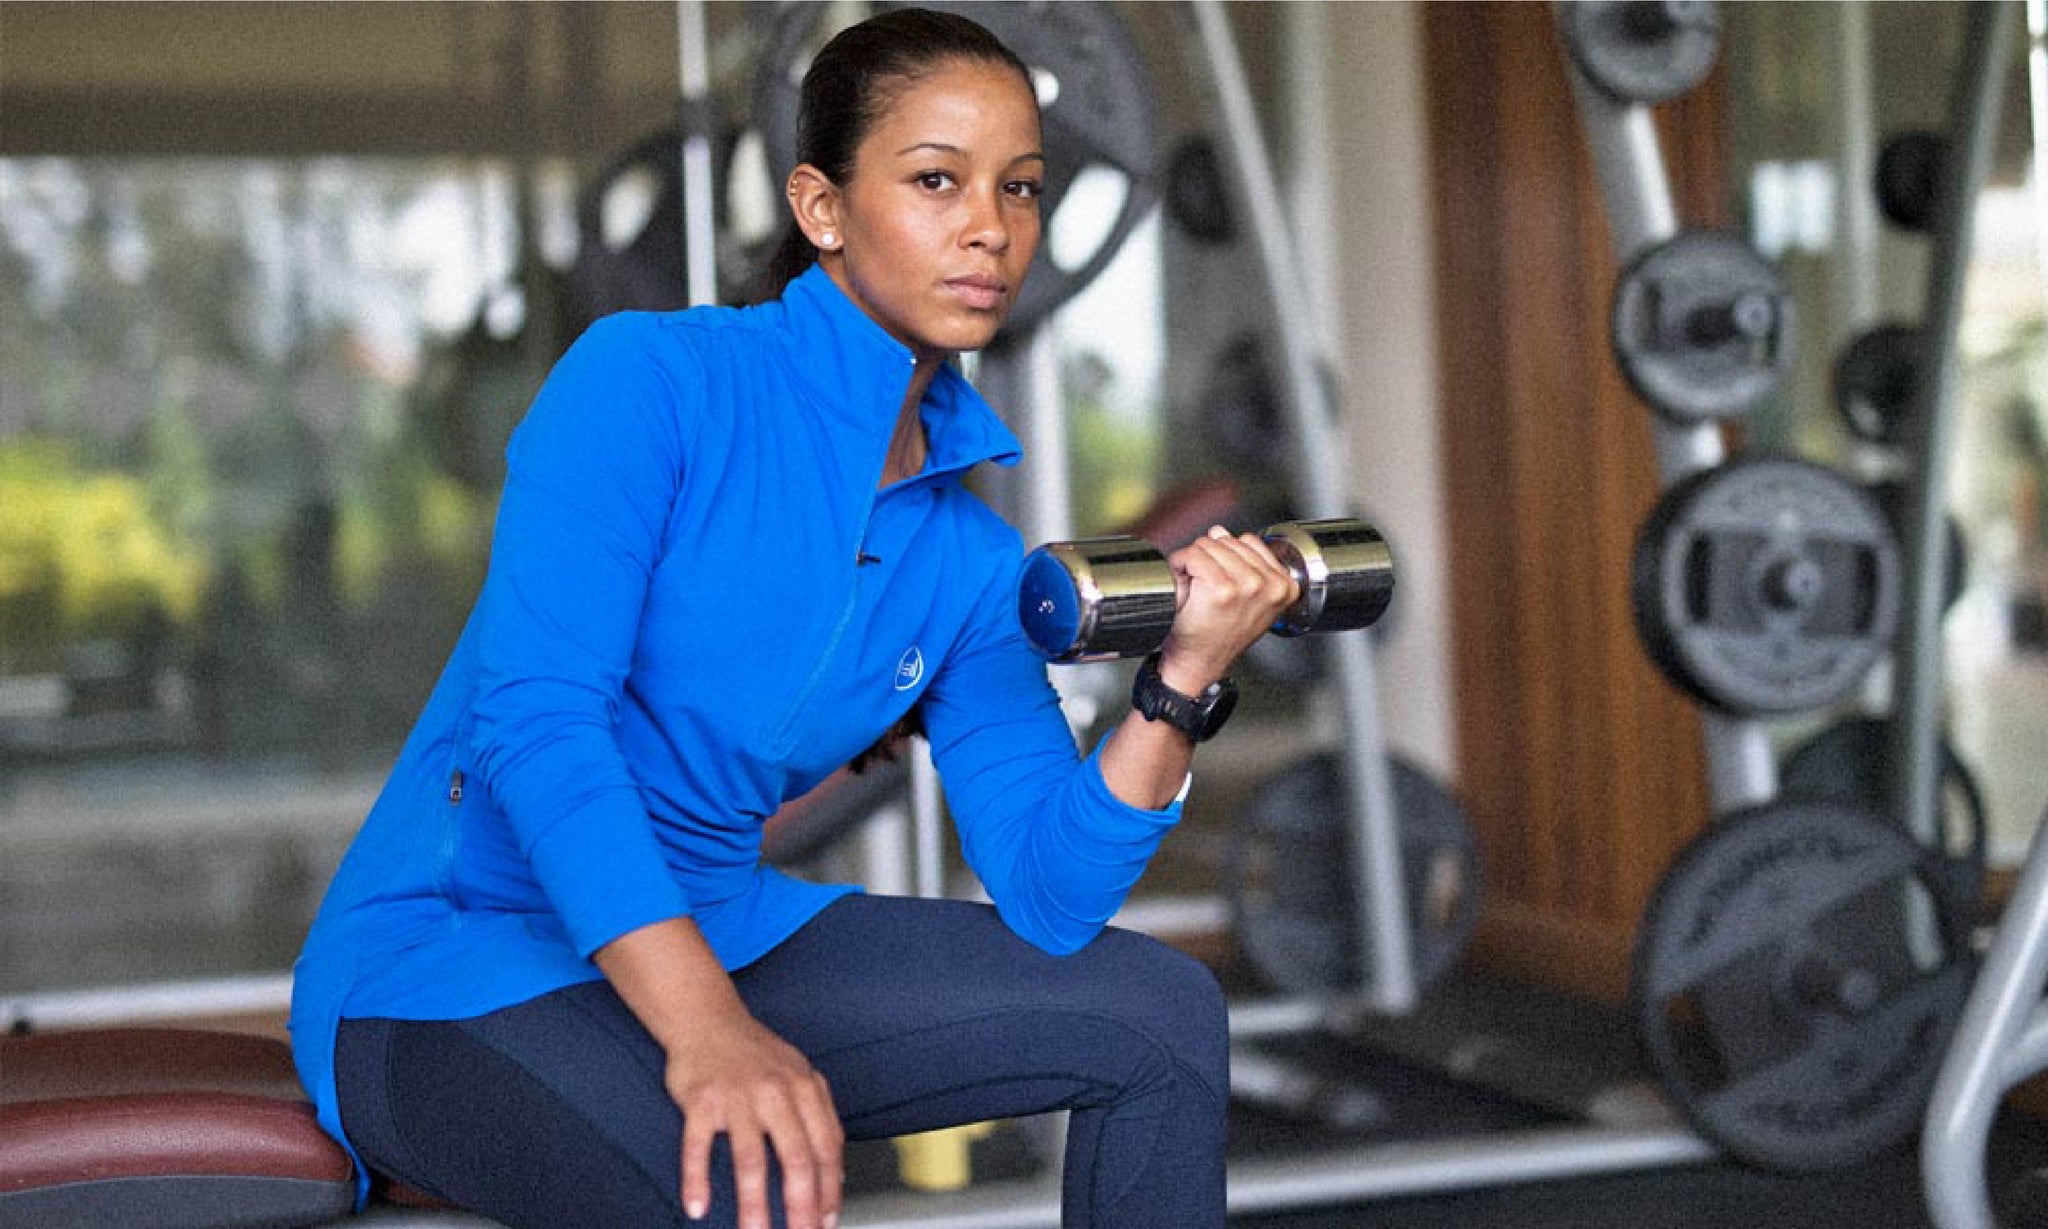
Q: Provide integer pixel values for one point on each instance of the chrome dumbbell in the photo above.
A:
(1102, 598)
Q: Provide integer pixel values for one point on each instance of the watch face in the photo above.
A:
(1219, 709)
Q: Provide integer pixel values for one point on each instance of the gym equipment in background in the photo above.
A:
(1769, 586)
(1643, 51)
(1909, 177)
(1875, 378)
(1845, 763)
(1766, 585)
(1291, 907)
(1702, 326)
(1787, 993)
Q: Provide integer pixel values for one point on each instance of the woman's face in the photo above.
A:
(940, 218)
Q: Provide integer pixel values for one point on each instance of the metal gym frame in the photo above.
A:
(2001, 1040)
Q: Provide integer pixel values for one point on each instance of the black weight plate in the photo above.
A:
(1874, 382)
(1891, 496)
(1195, 197)
(1908, 179)
(648, 270)
(1289, 878)
(1766, 586)
(1096, 110)
(1797, 976)
(1702, 326)
(1240, 409)
(1850, 762)
(1643, 51)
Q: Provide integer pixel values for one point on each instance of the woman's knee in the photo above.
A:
(1175, 1000)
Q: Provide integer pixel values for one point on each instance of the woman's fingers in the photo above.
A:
(828, 1145)
(699, 1129)
(792, 1118)
(749, 1170)
(1242, 567)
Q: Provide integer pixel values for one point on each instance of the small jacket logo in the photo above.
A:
(909, 668)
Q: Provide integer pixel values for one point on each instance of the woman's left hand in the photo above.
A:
(1232, 588)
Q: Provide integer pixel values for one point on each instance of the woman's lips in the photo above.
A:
(981, 293)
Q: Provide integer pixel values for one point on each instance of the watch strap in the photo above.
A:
(1199, 717)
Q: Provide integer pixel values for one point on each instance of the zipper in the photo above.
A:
(451, 837)
(779, 744)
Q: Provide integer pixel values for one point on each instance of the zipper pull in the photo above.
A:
(455, 786)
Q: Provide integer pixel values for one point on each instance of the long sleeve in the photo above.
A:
(593, 475)
(1056, 850)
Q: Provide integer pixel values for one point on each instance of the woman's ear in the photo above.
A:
(814, 202)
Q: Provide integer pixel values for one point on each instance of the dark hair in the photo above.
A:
(851, 83)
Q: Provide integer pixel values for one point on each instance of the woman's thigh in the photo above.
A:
(924, 1013)
(548, 1113)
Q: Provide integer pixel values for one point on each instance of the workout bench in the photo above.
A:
(165, 1128)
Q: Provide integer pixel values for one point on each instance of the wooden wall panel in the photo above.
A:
(1583, 769)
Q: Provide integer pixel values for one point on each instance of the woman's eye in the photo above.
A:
(934, 181)
(1029, 189)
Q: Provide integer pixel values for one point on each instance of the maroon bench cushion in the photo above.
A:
(168, 1127)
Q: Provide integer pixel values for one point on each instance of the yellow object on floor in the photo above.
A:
(939, 1160)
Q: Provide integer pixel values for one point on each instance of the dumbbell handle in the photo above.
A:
(1102, 598)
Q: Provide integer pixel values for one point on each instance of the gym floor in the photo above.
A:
(1423, 1104)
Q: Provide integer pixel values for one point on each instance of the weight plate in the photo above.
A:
(629, 252)
(1289, 880)
(1908, 179)
(1764, 586)
(1874, 379)
(1195, 197)
(1702, 326)
(1241, 413)
(1643, 51)
(1850, 762)
(1096, 112)
(1797, 976)
(1891, 496)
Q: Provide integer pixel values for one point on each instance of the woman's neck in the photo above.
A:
(907, 445)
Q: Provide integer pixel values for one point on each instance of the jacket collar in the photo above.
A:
(857, 374)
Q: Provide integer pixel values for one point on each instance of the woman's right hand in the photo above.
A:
(730, 1074)
(733, 1075)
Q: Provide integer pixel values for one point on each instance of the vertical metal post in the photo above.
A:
(1855, 263)
(927, 822)
(1629, 163)
(2037, 111)
(1980, 1066)
(1384, 940)
(700, 235)
(1972, 124)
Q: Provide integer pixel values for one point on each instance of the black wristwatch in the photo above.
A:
(1198, 717)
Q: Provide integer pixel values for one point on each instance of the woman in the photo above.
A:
(551, 981)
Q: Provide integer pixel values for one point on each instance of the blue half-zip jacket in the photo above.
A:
(698, 605)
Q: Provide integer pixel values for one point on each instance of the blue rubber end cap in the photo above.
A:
(1048, 605)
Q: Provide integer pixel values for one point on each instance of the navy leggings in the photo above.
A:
(920, 1014)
